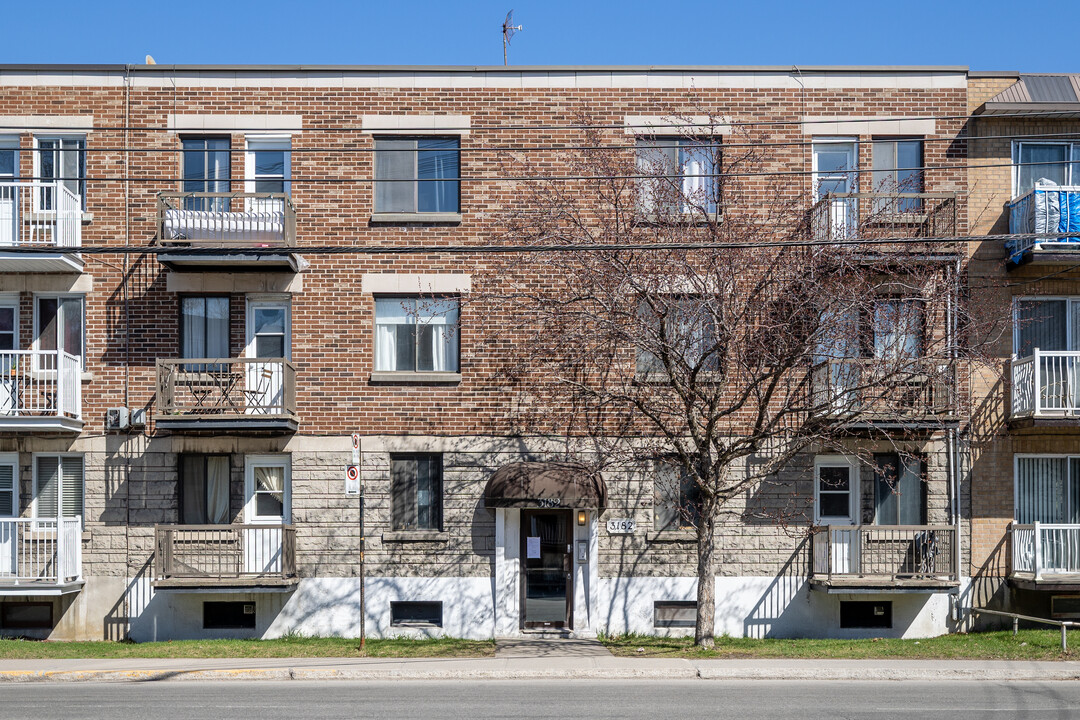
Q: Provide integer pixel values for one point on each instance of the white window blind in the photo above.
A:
(1047, 490)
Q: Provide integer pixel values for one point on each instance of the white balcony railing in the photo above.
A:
(1043, 549)
(39, 214)
(40, 551)
(1046, 384)
(40, 383)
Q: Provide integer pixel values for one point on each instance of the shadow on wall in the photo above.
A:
(988, 589)
(772, 610)
(136, 599)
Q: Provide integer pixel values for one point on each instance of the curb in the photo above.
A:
(689, 673)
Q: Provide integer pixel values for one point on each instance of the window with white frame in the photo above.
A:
(60, 159)
(1047, 489)
(9, 485)
(59, 325)
(679, 174)
(58, 486)
(1046, 323)
(1058, 162)
(268, 169)
(267, 480)
(836, 481)
(415, 334)
(417, 175)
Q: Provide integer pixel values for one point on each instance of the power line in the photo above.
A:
(567, 246)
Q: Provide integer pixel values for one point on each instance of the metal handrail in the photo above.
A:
(226, 386)
(1017, 617)
(896, 551)
(225, 551)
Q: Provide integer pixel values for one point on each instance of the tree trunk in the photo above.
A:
(706, 577)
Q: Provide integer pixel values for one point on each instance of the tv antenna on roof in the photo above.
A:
(508, 29)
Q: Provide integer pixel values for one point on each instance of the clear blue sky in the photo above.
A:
(987, 35)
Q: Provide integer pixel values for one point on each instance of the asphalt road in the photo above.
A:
(579, 699)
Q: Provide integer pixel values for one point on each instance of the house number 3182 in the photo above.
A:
(621, 526)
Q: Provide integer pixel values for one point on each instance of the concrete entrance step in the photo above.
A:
(548, 647)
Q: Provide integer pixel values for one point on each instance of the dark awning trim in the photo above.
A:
(545, 485)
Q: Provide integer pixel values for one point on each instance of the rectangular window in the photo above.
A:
(1058, 163)
(229, 615)
(204, 489)
(1047, 324)
(835, 488)
(268, 171)
(62, 160)
(1047, 489)
(899, 490)
(417, 175)
(9, 161)
(9, 486)
(1065, 607)
(206, 170)
(204, 330)
(675, 613)
(416, 614)
(268, 488)
(58, 485)
(897, 328)
(26, 615)
(416, 490)
(898, 169)
(865, 614)
(679, 174)
(416, 334)
(58, 325)
(676, 498)
(682, 327)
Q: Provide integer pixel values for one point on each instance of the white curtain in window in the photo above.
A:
(217, 489)
(389, 314)
(443, 316)
(269, 492)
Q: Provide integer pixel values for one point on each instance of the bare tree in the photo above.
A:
(679, 307)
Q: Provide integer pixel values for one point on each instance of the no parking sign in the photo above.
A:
(352, 479)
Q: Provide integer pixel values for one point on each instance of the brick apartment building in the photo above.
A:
(1024, 441)
(175, 425)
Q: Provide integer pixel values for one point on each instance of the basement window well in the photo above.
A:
(674, 613)
(228, 615)
(416, 614)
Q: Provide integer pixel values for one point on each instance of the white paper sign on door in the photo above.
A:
(532, 548)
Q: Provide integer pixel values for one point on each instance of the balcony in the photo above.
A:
(212, 230)
(863, 390)
(867, 216)
(884, 558)
(1048, 208)
(1046, 388)
(40, 556)
(40, 390)
(222, 394)
(1045, 556)
(46, 219)
(212, 558)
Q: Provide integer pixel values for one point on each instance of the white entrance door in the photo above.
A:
(268, 497)
(9, 191)
(9, 510)
(835, 166)
(268, 339)
(836, 504)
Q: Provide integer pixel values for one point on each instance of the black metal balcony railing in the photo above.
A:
(226, 219)
(860, 387)
(866, 216)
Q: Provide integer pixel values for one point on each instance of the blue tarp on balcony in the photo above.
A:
(1048, 208)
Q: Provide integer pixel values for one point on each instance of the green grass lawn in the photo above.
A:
(299, 647)
(1027, 645)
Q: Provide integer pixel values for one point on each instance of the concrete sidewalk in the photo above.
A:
(518, 668)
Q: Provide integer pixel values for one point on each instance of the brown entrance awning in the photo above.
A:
(545, 484)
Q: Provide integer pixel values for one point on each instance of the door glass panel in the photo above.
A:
(547, 567)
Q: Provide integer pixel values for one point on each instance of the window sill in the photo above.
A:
(398, 218)
(416, 378)
(673, 218)
(662, 378)
(672, 536)
(406, 536)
